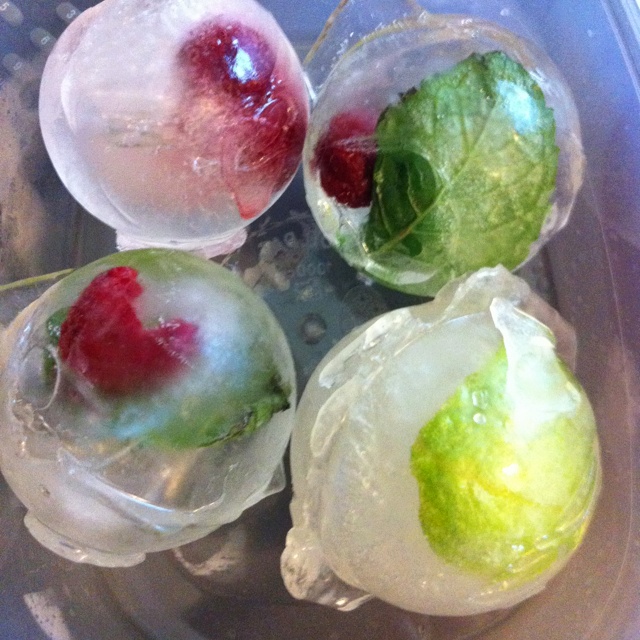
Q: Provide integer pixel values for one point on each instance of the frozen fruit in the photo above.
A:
(345, 157)
(103, 339)
(176, 123)
(229, 56)
(264, 148)
(444, 458)
(151, 393)
(478, 158)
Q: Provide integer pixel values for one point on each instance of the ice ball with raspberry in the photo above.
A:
(145, 400)
(176, 123)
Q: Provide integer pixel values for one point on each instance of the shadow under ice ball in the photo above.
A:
(176, 123)
(145, 400)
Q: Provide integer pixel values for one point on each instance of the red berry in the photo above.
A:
(345, 156)
(256, 132)
(103, 339)
(274, 137)
(232, 57)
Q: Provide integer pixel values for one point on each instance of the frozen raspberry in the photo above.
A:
(103, 339)
(232, 57)
(345, 156)
(263, 117)
(275, 137)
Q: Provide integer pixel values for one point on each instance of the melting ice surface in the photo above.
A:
(357, 530)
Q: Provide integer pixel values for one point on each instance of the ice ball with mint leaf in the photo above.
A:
(145, 400)
(441, 146)
(445, 459)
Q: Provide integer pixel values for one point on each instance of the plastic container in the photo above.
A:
(228, 585)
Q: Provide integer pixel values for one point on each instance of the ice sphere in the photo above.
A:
(175, 122)
(145, 400)
(444, 458)
(438, 145)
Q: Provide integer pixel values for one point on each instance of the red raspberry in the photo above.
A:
(232, 57)
(274, 137)
(345, 156)
(103, 340)
(258, 131)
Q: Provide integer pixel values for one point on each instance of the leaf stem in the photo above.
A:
(34, 280)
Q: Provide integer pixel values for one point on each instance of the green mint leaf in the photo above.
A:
(498, 498)
(405, 183)
(465, 171)
(234, 411)
(52, 328)
(273, 401)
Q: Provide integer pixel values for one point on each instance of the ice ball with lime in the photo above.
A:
(445, 458)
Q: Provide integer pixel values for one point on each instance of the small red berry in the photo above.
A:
(345, 156)
(103, 339)
(232, 57)
(244, 110)
(271, 154)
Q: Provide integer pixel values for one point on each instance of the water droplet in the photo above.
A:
(480, 418)
(479, 399)
(505, 12)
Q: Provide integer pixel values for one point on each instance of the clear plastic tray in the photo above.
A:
(228, 584)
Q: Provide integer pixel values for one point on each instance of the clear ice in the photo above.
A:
(165, 158)
(356, 531)
(107, 478)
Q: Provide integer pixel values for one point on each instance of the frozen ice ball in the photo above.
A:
(145, 400)
(176, 123)
(444, 458)
(438, 146)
